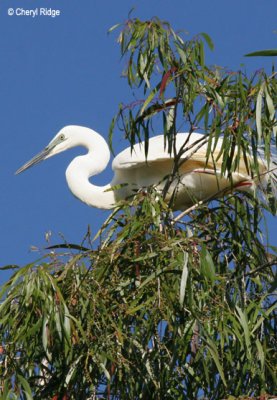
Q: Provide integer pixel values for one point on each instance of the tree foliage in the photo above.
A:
(160, 305)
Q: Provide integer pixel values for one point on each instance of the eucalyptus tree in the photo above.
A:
(159, 304)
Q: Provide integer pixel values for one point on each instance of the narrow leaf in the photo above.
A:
(184, 279)
(112, 28)
(259, 104)
(26, 387)
(214, 353)
(244, 323)
(208, 40)
(9, 267)
(148, 100)
(207, 265)
(263, 53)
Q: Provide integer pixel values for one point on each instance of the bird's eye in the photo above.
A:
(62, 137)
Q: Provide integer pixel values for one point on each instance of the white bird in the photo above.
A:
(197, 178)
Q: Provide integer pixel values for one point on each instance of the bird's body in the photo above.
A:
(196, 179)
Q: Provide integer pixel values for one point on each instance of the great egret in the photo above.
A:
(196, 179)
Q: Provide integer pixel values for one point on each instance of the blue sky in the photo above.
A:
(66, 70)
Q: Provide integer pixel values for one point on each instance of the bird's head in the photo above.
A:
(66, 138)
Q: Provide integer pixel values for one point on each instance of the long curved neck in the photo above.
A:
(85, 166)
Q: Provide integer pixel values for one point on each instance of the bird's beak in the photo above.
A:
(38, 158)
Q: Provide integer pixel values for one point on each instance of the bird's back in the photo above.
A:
(158, 150)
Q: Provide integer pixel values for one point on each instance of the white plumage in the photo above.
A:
(196, 179)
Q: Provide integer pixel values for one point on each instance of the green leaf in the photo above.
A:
(242, 317)
(79, 326)
(208, 40)
(261, 355)
(271, 109)
(26, 387)
(214, 353)
(207, 264)
(182, 54)
(148, 100)
(9, 267)
(68, 246)
(106, 372)
(184, 279)
(45, 336)
(259, 105)
(263, 53)
(112, 28)
(72, 370)
(66, 324)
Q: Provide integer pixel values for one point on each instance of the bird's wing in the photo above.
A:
(192, 146)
